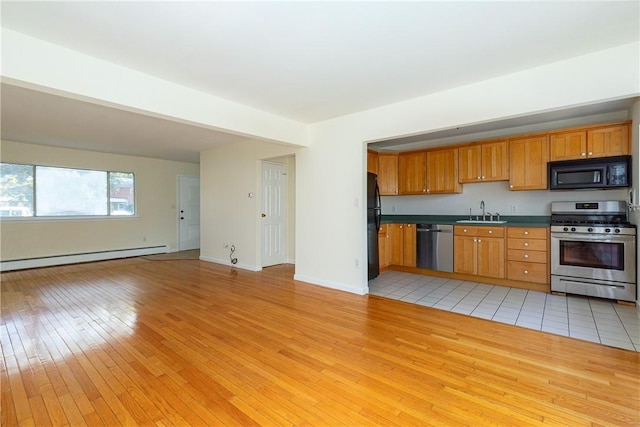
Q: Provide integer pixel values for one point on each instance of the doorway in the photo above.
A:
(188, 213)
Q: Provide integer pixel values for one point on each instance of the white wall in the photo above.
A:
(228, 215)
(156, 199)
(635, 147)
(331, 231)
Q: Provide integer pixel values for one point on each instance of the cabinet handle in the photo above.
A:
(526, 272)
(526, 233)
(490, 231)
(591, 153)
(526, 256)
(464, 230)
(482, 176)
(479, 240)
(583, 154)
(478, 177)
(511, 186)
(526, 244)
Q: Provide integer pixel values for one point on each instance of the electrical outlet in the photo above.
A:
(225, 245)
(356, 263)
(513, 209)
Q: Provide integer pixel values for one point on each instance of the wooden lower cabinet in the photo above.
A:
(383, 247)
(479, 250)
(402, 244)
(409, 248)
(528, 254)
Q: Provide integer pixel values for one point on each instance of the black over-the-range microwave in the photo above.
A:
(583, 174)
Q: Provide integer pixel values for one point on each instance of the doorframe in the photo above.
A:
(176, 207)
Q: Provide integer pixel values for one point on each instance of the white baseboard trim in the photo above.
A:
(332, 285)
(228, 262)
(21, 264)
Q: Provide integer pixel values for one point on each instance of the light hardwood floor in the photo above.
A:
(135, 341)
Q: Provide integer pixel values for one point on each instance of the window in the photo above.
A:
(27, 190)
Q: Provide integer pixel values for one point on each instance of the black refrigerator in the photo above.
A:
(373, 224)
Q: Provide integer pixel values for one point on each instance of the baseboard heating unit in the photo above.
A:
(48, 261)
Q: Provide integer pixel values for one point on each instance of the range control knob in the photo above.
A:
(607, 230)
(617, 230)
(565, 229)
(573, 229)
(590, 229)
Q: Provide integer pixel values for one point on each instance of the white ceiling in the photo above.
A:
(308, 61)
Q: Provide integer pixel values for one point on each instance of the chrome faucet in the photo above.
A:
(484, 215)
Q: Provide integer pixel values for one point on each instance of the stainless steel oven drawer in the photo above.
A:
(594, 288)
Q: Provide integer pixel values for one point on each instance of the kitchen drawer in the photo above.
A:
(527, 272)
(528, 232)
(528, 244)
(464, 230)
(526, 255)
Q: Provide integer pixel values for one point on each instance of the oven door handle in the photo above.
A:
(594, 237)
(586, 282)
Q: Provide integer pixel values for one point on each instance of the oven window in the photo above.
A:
(609, 256)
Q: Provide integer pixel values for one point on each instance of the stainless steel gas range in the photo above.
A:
(593, 250)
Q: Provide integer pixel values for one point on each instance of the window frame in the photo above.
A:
(34, 209)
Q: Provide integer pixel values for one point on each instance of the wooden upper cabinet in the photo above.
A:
(528, 158)
(587, 143)
(388, 173)
(568, 145)
(608, 141)
(412, 173)
(488, 161)
(372, 161)
(470, 163)
(495, 161)
(442, 171)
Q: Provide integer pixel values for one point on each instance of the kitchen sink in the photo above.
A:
(479, 221)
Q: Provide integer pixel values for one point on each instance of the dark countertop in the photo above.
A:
(512, 221)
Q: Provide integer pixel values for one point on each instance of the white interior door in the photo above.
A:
(273, 214)
(188, 212)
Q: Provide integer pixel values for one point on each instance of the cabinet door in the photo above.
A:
(395, 247)
(388, 174)
(469, 164)
(528, 158)
(372, 161)
(412, 173)
(409, 246)
(464, 255)
(383, 246)
(495, 161)
(566, 146)
(442, 172)
(609, 141)
(491, 259)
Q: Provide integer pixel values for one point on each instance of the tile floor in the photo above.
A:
(590, 319)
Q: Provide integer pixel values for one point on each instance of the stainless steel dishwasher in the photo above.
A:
(435, 247)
